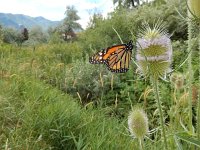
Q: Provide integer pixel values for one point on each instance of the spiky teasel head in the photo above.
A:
(194, 8)
(154, 50)
(138, 123)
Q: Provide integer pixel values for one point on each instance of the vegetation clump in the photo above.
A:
(51, 97)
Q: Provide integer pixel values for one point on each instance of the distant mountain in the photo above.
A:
(14, 20)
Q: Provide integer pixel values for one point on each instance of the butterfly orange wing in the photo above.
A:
(97, 58)
(117, 58)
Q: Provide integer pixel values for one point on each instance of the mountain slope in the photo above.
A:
(13, 20)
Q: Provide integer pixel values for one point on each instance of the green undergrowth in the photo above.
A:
(51, 98)
(35, 115)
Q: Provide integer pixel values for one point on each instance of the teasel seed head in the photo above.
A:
(154, 50)
(138, 123)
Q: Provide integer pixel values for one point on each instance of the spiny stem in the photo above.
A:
(198, 109)
(155, 84)
(191, 74)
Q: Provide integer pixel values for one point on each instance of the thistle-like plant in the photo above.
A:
(193, 23)
(138, 124)
(194, 20)
(154, 56)
(154, 51)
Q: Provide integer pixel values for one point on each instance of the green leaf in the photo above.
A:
(179, 147)
(188, 138)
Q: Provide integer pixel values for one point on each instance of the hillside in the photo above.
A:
(13, 20)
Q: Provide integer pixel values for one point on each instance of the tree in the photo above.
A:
(95, 19)
(54, 35)
(70, 23)
(37, 35)
(127, 3)
(25, 34)
(22, 34)
(10, 35)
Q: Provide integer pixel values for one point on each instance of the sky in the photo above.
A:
(54, 9)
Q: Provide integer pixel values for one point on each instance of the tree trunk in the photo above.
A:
(132, 1)
(138, 2)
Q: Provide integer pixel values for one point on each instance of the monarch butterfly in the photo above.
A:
(116, 58)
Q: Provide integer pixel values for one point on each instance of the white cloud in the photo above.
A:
(54, 10)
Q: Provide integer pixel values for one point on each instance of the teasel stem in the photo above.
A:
(156, 91)
(141, 143)
(189, 49)
(198, 109)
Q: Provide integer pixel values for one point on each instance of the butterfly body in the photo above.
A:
(116, 58)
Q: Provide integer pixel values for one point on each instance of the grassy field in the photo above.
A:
(51, 97)
(36, 113)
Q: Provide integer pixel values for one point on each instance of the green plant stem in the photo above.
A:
(198, 109)
(156, 91)
(190, 71)
(141, 143)
(177, 109)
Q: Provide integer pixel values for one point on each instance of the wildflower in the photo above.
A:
(138, 123)
(154, 56)
(154, 51)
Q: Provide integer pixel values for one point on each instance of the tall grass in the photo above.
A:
(36, 109)
(36, 115)
(51, 98)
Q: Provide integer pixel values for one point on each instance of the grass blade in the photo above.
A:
(188, 138)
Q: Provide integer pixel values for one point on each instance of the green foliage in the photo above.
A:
(71, 18)
(188, 138)
(9, 35)
(1, 34)
(100, 33)
(37, 77)
(69, 24)
(37, 36)
(55, 38)
(46, 118)
(128, 22)
(127, 3)
(14, 36)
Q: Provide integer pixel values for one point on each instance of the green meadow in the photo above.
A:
(51, 97)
